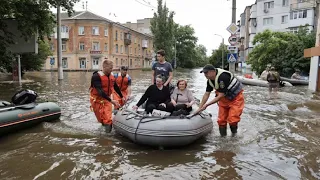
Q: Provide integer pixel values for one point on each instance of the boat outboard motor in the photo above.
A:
(24, 97)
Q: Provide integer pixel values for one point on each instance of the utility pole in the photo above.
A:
(318, 24)
(175, 53)
(222, 59)
(59, 43)
(232, 65)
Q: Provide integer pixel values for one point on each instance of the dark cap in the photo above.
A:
(124, 68)
(207, 68)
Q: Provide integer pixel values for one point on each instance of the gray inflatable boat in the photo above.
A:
(160, 130)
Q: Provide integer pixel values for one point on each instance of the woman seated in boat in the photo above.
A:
(182, 98)
(157, 97)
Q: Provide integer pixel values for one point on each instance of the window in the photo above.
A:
(83, 63)
(117, 48)
(105, 31)
(269, 5)
(121, 49)
(64, 29)
(96, 46)
(130, 62)
(284, 19)
(95, 30)
(64, 62)
(285, 2)
(116, 37)
(294, 30)
(121, 36)
(51, 46)
(81, 30)
(105, 46)
(130, 50)
(64, 45)
(127, 49)
(81, 46)
(299, 14)
(95, 63)
(267, 21)
(117, 62)
(135, 50)
(139, 49)
(135, 40)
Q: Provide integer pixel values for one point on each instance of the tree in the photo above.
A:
(201, 56)
(32, 16)
(216, 57)
(284, 50)
(186, 44)
(35, 61)
(162, 28)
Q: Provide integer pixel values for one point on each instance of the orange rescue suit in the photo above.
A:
(123, 82)
(101, 107)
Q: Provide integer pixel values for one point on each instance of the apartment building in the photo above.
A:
(142, 25)
(88, 38)
(276, 15)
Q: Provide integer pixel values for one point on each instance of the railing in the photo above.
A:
(304, 5)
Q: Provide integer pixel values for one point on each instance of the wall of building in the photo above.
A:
(110, 36)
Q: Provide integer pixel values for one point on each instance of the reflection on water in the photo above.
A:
(278, 138)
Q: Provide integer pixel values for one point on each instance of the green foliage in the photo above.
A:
(162, 28)
(201, 58)
(168, 34)
(32, 16)
(186, 44)
(216, 57)
(284, 50)
(35, 62)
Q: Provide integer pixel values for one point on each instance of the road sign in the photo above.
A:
(52, 61)
(233, 39)
(232, 28)
(232, 48)
(232, 57)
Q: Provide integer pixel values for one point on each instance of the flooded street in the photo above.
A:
(277, 139)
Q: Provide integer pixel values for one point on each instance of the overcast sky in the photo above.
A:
(207, 17)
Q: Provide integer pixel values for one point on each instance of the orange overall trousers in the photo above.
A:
(119, 99)
(230, 110)
(102, 108)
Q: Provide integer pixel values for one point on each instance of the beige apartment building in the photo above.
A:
(88, 38)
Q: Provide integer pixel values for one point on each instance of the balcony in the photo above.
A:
(95, 52)
(304, 5)
(127, 39)
(144, 44)
(64, 35)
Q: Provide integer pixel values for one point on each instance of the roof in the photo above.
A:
(87, 15)
(83, 15)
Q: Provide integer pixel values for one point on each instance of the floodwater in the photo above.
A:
(277, 139)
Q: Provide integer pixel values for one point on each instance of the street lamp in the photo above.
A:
(222, 59)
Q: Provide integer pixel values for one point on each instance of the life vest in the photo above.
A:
(122, 82)
(107, 83)
(234, 88)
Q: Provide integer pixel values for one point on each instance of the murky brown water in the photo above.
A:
(278, 138)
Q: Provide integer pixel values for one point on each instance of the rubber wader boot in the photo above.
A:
(223, 130)
(108, 128)
(234, 130)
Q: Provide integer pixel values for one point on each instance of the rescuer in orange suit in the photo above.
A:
(123, 80)
(102, 85)
(229, 96)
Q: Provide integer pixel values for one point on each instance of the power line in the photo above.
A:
(147, 5)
